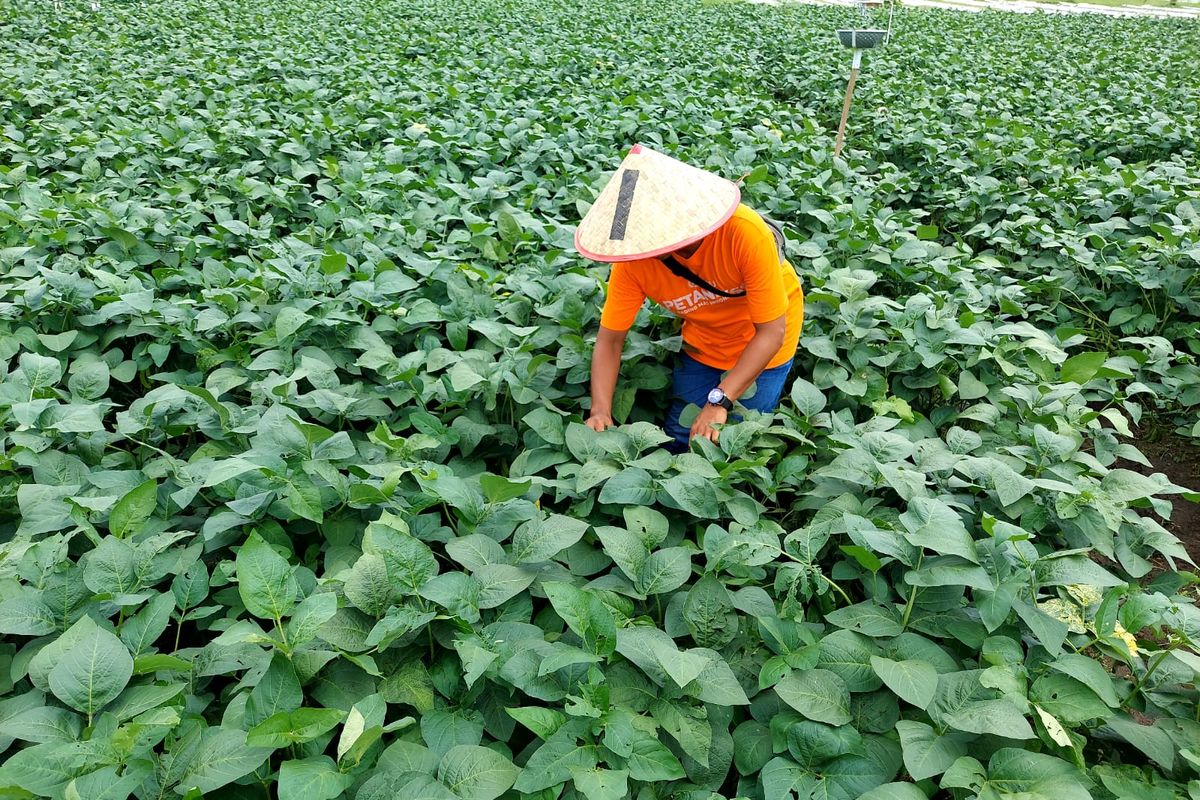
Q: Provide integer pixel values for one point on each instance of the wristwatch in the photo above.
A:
(717, 398)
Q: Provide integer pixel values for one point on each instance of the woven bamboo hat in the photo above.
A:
(652, 205)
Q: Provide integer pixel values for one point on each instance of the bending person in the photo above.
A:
(681, 237)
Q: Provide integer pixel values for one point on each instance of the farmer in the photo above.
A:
(680, 236)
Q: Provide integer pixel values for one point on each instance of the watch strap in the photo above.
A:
(724, 403)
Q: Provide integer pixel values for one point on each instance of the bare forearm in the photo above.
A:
(753, 360)
(606, 364)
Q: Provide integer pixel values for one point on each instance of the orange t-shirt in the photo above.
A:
(741, 254)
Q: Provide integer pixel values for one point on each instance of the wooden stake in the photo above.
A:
(841, 134)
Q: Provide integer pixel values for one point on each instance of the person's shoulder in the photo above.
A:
(631, 269)
(746, 222)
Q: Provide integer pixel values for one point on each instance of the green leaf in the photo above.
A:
(93, 671)
(1068, 699)
(913, 681)
(1150, 740)
(1090, 673)
(294, 727)
(1125, 486)
(510, 229)
(476, 773)
(895, 791)
(869, 619)
(650, 760)
(757, 175)
(409, 684)
(664, 571)
(27, 616)
(501, 582)
(542, 721)
(132, 510)
(141, 631)
(368, 587)
(554, 762)
(333, 263)
(541, 539)
(602, 784)
(752, 747)
(308, 617)
(970, 387)
(926, 753)
(221, 758)
(1015, 771)
(693, 493)
(586, 615)
(498, 490)
(1083, 367)
(289, 320)
(817, 694)
(807, 398)
(999, 717)
(314, 778)
(265, 580)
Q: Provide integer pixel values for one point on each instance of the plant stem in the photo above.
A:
(1154, 665)
(837, 588)
(908, 607)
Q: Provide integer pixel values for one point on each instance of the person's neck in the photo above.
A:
(688, 251)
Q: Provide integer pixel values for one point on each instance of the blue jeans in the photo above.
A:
(692, 382)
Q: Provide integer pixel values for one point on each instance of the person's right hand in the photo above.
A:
(599, 422)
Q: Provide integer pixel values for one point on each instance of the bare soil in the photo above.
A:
(1179, 459)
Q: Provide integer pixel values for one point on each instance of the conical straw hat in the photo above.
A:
(652, 205)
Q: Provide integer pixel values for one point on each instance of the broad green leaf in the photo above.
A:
(752, 747)
(543, 539)
(294, 727)
(913, 681)
(586, 615)
(650, 760)
(1083, 367)
(308, 617)
(1068, 699)
(807, 398)
(314, 778)
(542, 721)
(368, 586)
(222, 757)
(92, 671)
(693, 493)
(817, 694)
(1090, 673)
(501, 582)
(265, 580)
(476, 773)
(664, 571)
(895, 791)
(602, 784)
(555, 761)
(132, 510)
(1150, 740)
(926, 753)
(1015, 771)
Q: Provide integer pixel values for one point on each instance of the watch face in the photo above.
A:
(716, 396)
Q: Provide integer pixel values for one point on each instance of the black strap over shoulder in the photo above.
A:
(680, 271)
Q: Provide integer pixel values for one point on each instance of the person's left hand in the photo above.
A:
(703, 425)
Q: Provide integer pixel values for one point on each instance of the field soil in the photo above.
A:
(1179, 459)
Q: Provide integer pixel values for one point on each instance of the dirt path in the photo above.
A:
(1027, 7)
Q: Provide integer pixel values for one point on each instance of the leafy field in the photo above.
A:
(296, 498)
